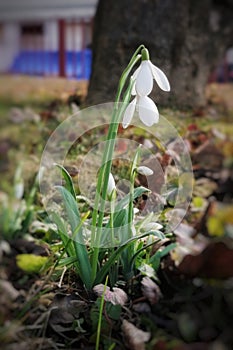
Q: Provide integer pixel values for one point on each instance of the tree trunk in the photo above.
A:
(186, 39)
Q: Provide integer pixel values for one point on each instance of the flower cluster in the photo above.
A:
(142, 87)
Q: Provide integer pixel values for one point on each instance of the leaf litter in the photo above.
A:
(186, 304)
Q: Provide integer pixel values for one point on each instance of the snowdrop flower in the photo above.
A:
(147, 110)
(143, 76)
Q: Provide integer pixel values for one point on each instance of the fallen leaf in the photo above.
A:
(204, 187)
(135, 337)
(117, 296)
(220, 219)
(151, 290)
(208, 156)
(141, 307)
(31, 263)
(215, 261)
(7, 288)
(64, 310)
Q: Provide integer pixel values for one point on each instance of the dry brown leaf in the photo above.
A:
(215, 261)
(150, 290)
(208, 156)
(116, 297)
(135, 337)
(7, 288)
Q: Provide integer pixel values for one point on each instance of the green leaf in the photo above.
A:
(138, 191)
(71, 208)
(198, 202)
(31, 263)
(113, 311)
(119, 218)
(156, 258)
(76, 225)
(112, 258)
(68, 180)
(67, 261)
(166, 250)
(66, 240)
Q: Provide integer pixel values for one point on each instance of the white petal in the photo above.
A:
(160, 77)
(133, 92)
(111, 184)
(144, 81)
(135, 74)
(128, 115)
(150, 226)
(144, 170)
(148, 112)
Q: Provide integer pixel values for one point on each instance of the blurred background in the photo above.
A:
(190, 40)
(46, 38)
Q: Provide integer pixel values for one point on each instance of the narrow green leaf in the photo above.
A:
(68, 180)
(80, 249)
(67, 261)
(68, 247)
(119, 218)
(167, 249)
(104, 270)
(155, 259)
(138, 191)
(71, 207)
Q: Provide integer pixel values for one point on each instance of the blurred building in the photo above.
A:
(224, 71)
(46, 37)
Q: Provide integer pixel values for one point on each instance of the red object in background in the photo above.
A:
(192, 127)
(62, 53)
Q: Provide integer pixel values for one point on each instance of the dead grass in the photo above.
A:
(22, 89)
(220, 94)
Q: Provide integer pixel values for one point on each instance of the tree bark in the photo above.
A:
(186, 39)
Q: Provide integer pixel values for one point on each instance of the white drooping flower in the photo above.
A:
(144, 76)
(143, 84)
(147, 110)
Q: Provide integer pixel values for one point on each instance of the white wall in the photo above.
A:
(73, 37)
(9, 44)
(46, 9)
(51, 35)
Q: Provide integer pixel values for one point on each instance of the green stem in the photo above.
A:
(97, 343)
(112, 209)
(131, 249)
(132, 181)
(131, 198)
(102, 182)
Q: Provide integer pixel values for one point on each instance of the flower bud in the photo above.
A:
(144, 170)
(111, 185)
